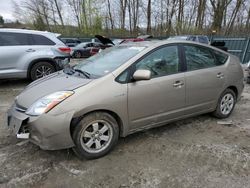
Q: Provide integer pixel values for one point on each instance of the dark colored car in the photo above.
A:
(71, 42)
(87, 49)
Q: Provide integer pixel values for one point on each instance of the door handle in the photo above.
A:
(178, 84)
(220, 75)
(30, 50)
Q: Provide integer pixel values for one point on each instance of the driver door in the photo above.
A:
(161, 98)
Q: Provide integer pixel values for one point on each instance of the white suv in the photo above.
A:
(31, 54)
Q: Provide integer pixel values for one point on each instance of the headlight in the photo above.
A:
(48, 102)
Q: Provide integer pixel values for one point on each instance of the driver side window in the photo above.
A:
(163, 61)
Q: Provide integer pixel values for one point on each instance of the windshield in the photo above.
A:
(108, 60)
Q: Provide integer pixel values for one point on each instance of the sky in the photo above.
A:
(6, 9)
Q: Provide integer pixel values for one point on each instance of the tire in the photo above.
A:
(40, 70)
(95, 135)
(225, 104)
(77, 54)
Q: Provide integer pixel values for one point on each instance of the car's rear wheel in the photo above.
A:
(225, 104)
(77, 54)
(95, 135)
(41, 69)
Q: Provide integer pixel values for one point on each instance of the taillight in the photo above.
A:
(66, 50)
(94, 51)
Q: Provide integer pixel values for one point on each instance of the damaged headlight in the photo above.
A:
(48, 102)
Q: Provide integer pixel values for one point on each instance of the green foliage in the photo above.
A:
(39, 24)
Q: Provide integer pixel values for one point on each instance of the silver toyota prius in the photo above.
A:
(124, 89)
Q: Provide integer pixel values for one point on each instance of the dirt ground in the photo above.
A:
(196, 152)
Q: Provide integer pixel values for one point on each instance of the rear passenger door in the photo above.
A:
(12, 47)
(204, 77)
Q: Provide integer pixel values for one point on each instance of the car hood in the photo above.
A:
(58, 81)
(104, 40)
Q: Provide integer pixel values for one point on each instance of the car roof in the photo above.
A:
(155, 43)
(26, 31)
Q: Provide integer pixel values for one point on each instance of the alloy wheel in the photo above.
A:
(97, 136)
(227, 104)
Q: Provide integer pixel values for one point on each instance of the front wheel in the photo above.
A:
(225, 104)
(40, 70)
(95, 135)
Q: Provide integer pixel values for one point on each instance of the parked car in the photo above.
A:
(31, 54)
(71, 42)
(248, 69)
(125, 89)
(197, 38)
(87, 49)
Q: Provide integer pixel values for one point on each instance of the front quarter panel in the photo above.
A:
(101, 94)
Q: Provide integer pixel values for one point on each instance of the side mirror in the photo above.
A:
(142, 75)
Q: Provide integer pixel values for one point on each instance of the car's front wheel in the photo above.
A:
(95, 135)
(41, 69)
(225, 104)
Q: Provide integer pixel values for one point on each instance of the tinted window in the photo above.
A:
(41, 40)
(123, 77)
(220, 57)
(14, 39)
(198, 57)
(163, 61)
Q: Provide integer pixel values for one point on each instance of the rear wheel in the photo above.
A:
(225, 104)
(95, 135)
(77, 54)
(41, 69)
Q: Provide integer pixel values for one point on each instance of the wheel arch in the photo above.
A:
(32, 63)
(235, 90)
(76, 120)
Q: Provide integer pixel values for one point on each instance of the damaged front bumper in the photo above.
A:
(49, 132)
(62, 62)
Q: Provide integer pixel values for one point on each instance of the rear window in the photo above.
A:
(41, 40)
(14, 39)
(221, 58)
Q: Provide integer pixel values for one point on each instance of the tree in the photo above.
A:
(1, 20)
(149, 17)
(218, 7)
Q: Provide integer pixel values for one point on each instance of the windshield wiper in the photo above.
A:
(86, 74)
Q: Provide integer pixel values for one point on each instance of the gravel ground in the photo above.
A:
(196, 152)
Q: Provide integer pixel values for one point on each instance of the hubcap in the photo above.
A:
(96, 137)
(78, 54)
(43, 71)
(227, 104)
